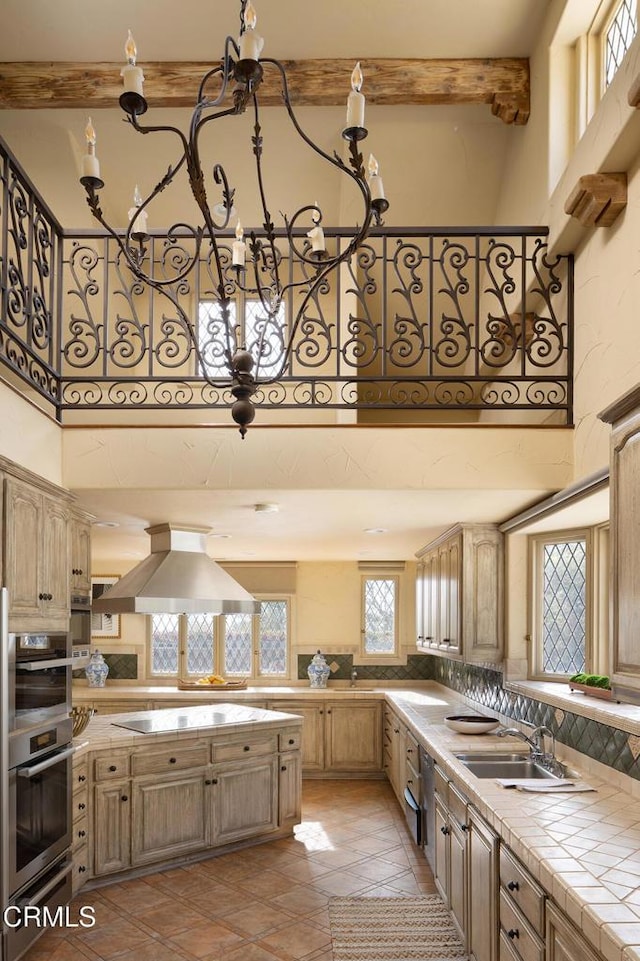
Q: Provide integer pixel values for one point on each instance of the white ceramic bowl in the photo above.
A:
(471, 723)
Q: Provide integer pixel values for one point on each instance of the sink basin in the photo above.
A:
(504, 765)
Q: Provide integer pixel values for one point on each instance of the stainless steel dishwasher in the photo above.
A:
(427, 765)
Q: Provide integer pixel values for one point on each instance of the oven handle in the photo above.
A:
(44, 665)
(43, 765)
(49, 886)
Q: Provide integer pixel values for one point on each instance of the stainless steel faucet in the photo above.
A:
(537, 752)
(354, 677)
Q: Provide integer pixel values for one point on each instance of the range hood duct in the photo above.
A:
(178, 577)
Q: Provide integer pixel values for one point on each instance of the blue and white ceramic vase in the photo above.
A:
(96, 670)
(318, 671)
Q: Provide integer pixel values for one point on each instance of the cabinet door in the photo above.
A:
(431, 600)
(564, 943)
(80, 556)
(168, 816)
(289, 788)
(55, 559)
(442, 851)
(112, 827)
(483, 890)
(449, 575)
(354, 737)
(312, 732)
(244, 800)
(420, 604)
(458, 875)
(23, 559)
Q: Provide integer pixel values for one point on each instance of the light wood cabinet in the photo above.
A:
(36, 557)
(460, 594)
(244, 800)
(482, 923)
(112, 827)
(451, 850)
(394, 751)
(339, 737)
(563, 941)
(169, 816)
(186, 796)
(80, 828)
(80, 553)
(521, 910)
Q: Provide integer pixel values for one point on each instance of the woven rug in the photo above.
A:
(393, 929)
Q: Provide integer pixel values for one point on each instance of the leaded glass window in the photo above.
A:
(618, 37)
(261, 334)
(165, 643)
(379, 604)
(272, 638)
(561, 603)
(200, 644)
(238, 644)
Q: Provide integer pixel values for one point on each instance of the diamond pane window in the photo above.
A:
(379, 615)
(200, 644)
(619, 37)
(273, 634)
(238, 644)
(164, 643)
(564, 607)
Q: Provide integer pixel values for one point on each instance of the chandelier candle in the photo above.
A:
(375, 180)
(132, 75)
(90, 164)
(279, 273)
(355, 100)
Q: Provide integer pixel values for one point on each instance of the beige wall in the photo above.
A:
(28, 437)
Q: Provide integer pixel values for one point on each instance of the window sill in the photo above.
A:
(624, 717)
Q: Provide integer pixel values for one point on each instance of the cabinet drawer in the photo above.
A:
(525, 942)
(114, 766)
(80, 803)
(441, 784)
(250, 747)
(413, 781)
(290, 742)
(80, 873)
(413, 752)
(457, 805)
(80, 832)
(522, 889)
(80, 776)
(176, 758)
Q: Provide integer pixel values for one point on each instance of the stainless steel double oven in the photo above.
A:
(37, 778)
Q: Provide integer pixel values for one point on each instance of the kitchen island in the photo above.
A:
(167, 786)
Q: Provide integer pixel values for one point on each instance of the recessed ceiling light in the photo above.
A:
(376, 530)
(106, 524)
(266, 508)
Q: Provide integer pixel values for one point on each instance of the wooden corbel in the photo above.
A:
(597, 199)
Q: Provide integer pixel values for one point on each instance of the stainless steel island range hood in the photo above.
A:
(178, 577)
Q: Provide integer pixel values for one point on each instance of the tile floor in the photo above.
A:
(266, 903)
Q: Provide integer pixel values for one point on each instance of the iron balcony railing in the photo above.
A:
(453, 323)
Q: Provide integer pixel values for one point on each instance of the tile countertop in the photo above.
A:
(584, 849)
(104, 732)
(159, 693)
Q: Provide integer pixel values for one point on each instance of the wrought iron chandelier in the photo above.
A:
(255, 272)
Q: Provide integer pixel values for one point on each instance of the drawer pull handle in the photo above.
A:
(172, 760)
(82, 834)
(81, 869)
(112, 767)
(207, 782)
(291, 741)
(513, 933)
(124, 798)
(215, 780)
(246, 748)
(284, 767)
(81, 806)
(444, 830)
(464, 827)
(81, 778)
(513, 886)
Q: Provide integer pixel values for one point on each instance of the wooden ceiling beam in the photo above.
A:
(503, 84)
